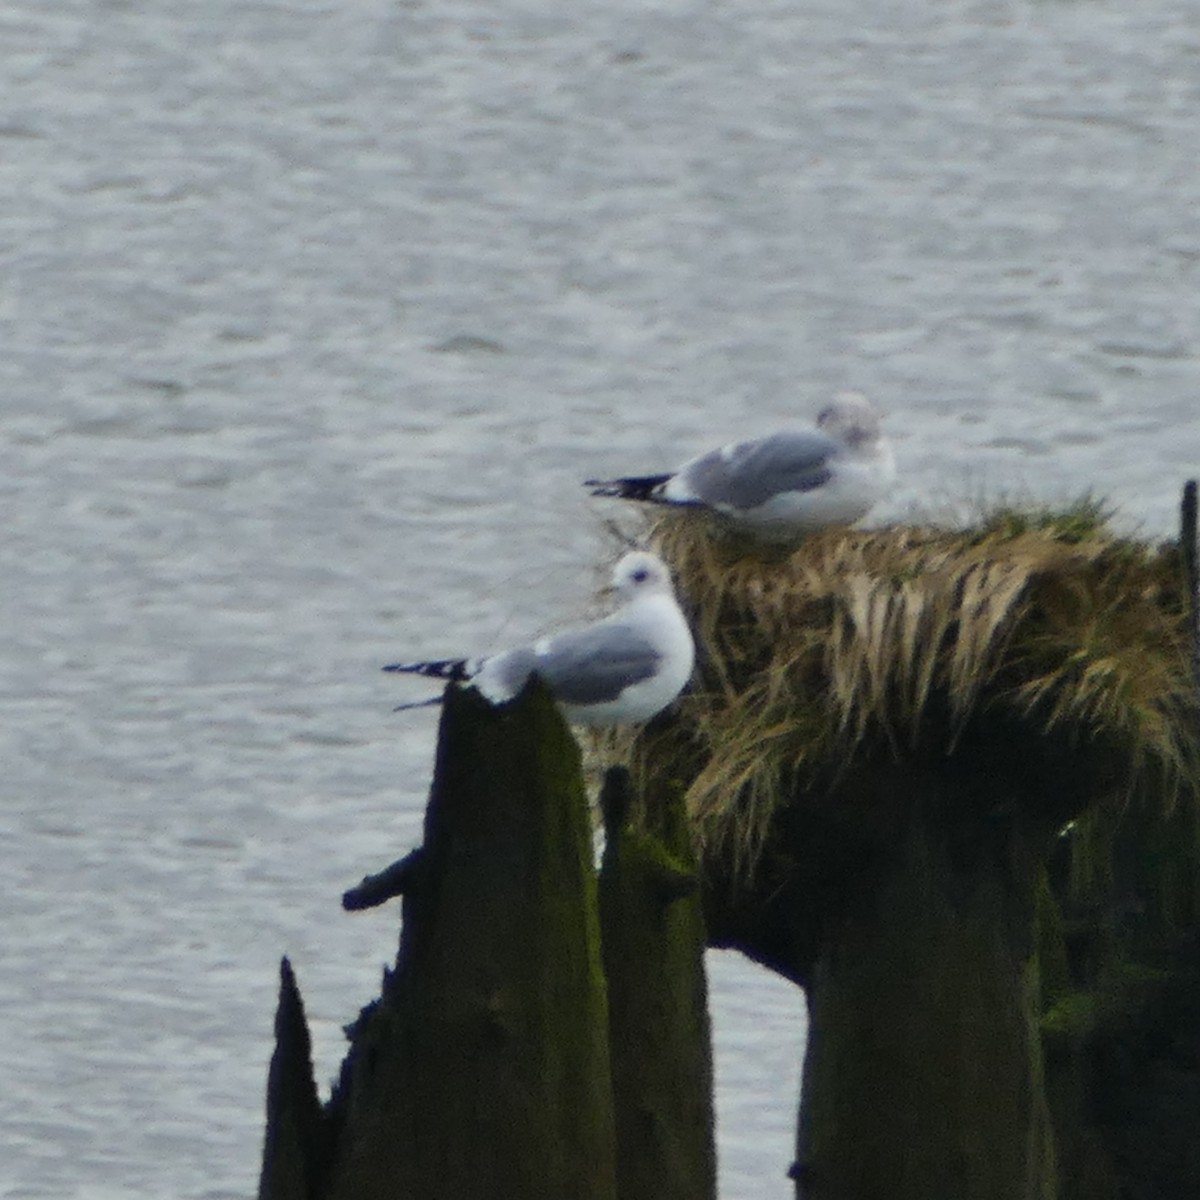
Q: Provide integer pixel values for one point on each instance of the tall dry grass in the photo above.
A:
(896, 640)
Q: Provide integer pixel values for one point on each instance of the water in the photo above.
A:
(314, 316)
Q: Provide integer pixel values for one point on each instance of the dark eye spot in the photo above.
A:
(641, 575)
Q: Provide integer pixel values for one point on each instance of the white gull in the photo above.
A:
(622, 669)
(783, 486)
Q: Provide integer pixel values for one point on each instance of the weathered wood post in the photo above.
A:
(658, 998)
(924, 1071)
(1189, 543)
(483, 1069)
(297, 1145)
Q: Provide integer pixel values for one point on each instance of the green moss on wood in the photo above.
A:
(484, 1068)
(1072, 1016)
(654, 959)
(924, 1078)
(1054, 969)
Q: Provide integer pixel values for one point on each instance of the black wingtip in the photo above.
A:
(631, 487)
(605, 487)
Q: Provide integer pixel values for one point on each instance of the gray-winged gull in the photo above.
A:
(622, 669)
(785, 485)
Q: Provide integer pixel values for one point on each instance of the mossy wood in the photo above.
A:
(658, 999)
(890, 730)
(924, 1075)
(482, 1073)
(1120, 952)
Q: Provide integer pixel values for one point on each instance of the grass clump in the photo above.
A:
(896, 641)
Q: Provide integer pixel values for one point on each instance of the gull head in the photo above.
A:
(641, 573)
(851, 418)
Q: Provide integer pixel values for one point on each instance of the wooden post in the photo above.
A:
(659, 1026)
(923, 1076)
(296, 1149)
(1189, 541)
(482, 1073)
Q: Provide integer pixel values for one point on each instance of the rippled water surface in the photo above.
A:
(313, 317)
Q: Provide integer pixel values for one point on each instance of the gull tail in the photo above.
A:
(446, 668)
(632, 487)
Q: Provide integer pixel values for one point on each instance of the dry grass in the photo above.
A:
(895, 640)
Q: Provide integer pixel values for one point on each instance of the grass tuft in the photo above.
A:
(862, 642)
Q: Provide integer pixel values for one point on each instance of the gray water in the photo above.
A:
(313, 316)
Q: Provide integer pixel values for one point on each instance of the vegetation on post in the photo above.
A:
(895, 640)
(894, 733)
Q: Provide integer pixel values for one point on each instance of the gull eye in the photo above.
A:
(640, 575)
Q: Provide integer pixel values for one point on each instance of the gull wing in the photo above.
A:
(596, 664)
(746, 474)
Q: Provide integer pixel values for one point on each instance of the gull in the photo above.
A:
(783, 486)
(622, 669)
